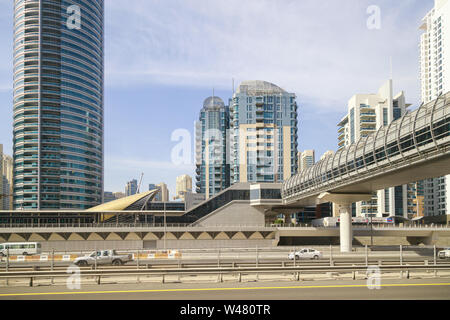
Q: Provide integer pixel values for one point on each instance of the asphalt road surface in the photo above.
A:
(423, 289)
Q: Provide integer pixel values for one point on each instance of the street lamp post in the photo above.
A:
(371, 232)
(371, 228)
(165, 226)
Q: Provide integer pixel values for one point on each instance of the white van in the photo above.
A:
(20, 248)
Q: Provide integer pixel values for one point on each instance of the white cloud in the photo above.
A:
(130, 164)
(323, 51)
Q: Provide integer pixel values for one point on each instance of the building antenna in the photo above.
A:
(232, 85)
(390, 63)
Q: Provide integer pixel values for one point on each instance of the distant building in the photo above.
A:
(3, 194)
(119, 195)
(131, 188)
(111, 196)
(163, 193)
(153, 186)
(306, 159)
(108, 197)
(184, 184)
(6, 183)
(327, 154)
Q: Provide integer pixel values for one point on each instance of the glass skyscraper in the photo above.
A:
(213, 169)
(58, 103)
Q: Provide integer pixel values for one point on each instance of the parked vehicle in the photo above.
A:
(306, 253)
(104, 257)
(20, 248)
(444, 254)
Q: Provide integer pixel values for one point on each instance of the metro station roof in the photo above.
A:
(133, 202)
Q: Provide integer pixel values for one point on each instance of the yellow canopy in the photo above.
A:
(123, 203)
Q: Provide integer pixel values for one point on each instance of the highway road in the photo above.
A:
(186, 264)
(264, 256)
(434, 289)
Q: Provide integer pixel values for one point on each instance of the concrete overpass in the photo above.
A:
(413, 148)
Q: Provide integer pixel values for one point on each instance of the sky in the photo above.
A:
(164, 58)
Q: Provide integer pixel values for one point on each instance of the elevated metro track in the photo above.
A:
(413, 148)
(410, 149)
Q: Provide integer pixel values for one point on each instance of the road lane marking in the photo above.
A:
(220, 289)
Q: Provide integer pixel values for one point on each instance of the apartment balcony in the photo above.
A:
(367, 128)
(367, 115)
(367, 121)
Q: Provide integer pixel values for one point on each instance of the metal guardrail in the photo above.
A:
(124, 225)
(33, 275)
(190, 264)
(375, 226)
(189, 226)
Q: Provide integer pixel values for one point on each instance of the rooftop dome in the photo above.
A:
(212, 102)
(258, 87)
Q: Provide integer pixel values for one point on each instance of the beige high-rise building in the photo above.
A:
(327, 154)
(119, 195)
(184, 184)
(306, 159)
(2, 193)
(367, 113)
(6, 180)
(7, 177)
(263, 133)
(163, 194)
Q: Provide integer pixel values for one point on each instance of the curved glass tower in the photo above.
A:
(58, 104)
(213, 170)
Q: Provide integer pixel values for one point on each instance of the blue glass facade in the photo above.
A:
(213, 169)
(58, 104)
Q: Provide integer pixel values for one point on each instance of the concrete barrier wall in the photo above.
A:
(86, 245)
(205, 244)
(90, 245)
(147, 255)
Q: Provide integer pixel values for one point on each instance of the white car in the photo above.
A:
(103, 257)
(443, 254)
(305, 254)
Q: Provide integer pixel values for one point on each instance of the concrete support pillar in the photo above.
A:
(344, 203)
(345, 228)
